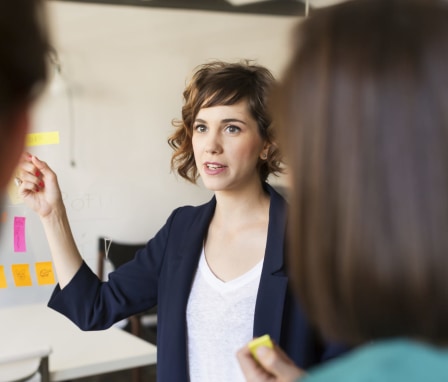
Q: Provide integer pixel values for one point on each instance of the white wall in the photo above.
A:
(125, 68)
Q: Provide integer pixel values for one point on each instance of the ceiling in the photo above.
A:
(265, 7)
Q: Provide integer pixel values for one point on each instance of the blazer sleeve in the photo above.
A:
(93, 305)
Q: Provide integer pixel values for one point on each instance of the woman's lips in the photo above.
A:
(213, 168)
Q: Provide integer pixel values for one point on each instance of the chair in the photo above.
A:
(119, 254)
(25, 365)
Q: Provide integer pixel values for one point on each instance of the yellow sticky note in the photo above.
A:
(260, 341)
(13, 192)
(39, 139)
(44, 273)
(21, 274)
(3, 283)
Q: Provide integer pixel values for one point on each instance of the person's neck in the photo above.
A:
(242, 204)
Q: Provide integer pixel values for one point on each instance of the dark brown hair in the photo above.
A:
(23, 53)
(222, 83)
(363, 108)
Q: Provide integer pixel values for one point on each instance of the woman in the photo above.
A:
(216, 271)
(364, 109)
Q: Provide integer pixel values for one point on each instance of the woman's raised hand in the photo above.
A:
(38, 186)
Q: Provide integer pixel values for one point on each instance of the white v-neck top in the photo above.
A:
(220, 317)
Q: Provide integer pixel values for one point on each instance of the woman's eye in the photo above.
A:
(233, 129)
(200, 128)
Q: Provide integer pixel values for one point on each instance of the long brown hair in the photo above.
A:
(363, 108)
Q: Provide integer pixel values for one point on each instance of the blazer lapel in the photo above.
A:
(273, 283)
(189, 232)
(190, 247)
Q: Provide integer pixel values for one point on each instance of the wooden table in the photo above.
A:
(75, 354)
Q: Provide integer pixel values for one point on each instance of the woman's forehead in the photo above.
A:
(239, 109)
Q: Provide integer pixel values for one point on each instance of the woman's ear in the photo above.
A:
(265, 152)
(13, 130)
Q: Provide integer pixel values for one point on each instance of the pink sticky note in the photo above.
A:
(19, 234)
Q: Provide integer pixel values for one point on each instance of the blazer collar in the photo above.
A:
(197, 230)
(274, 282)
(275, 245)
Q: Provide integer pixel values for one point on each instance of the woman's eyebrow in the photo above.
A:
(226, 120)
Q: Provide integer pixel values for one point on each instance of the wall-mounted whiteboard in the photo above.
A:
(104, 120)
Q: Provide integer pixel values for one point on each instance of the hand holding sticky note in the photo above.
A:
(260, 341)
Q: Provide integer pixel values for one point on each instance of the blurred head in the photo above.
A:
(363, 109)
(220, 83)
(23, 50)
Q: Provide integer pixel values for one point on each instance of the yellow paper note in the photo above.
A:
(21, 274)
(260, 341)
(44, 273)
(3, 283)
(13, 193)
(39, 139)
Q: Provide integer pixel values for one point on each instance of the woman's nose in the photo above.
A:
(213, 144)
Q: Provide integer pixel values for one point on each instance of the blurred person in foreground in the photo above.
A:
(364, 115)
(23, 52)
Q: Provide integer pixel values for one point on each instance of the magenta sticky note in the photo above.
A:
(19, 234)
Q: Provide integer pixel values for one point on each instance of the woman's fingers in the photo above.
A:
(273, 365)
(277, 363)
(29, 177)
(46, 173)
(251, 369)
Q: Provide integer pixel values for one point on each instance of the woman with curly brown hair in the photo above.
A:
(216, 272)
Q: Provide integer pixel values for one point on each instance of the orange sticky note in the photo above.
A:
(4, 217)
(21, 274)
(44, 273)
(3, 283)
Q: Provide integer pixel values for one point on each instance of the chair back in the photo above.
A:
(118, 254)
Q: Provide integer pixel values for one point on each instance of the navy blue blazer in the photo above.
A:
(162, 274)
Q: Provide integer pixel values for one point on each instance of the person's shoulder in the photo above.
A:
(385, 361)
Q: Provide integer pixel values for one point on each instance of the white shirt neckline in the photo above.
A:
(230, 285)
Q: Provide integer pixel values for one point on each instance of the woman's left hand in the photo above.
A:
(273, 366)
